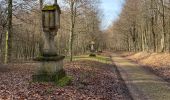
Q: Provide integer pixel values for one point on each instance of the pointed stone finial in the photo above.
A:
(55, 2)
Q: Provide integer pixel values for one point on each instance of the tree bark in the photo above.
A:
(73, 15)
(163, 35)
(152, 28)
(8, 50)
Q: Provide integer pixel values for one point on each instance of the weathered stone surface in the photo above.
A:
(45, 77)
(50, 64)
(50, 70)
(50, 67)
(49, 44)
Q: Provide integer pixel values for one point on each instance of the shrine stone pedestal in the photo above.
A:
(49, 69)
(92, 50)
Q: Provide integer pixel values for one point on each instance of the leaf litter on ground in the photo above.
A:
(91, 81)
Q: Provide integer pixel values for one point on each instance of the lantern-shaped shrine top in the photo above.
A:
(92, 43)
(51, 17)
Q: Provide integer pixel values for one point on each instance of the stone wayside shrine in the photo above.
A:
(92, 49)
(51, 64)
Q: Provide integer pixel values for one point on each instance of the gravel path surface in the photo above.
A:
(142, 84)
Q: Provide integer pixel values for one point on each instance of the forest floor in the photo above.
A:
(158, 63)
(92, 80)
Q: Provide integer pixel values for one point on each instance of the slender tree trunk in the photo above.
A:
(153, 34)
(143, 41)
(152, 28)
(8, 49)
(1, 45)
(73, 12)
(41, 35)
(163, 35)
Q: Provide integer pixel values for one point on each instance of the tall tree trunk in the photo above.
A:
(41, 35)
(8, 50)
(152, 27)
(163, 35)
(142, 40)
(73, 15)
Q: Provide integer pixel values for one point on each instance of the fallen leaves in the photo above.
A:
(91, 81)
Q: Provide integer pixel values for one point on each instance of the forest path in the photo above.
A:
(142, 84)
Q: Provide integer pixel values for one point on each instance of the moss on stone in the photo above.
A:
(60, 75)
(49, 58)
(46, 77)
(49, 55)
(43, 78)
(60, 78)
(92, 55)
(64, 81)
(52, 8)
(49, 7)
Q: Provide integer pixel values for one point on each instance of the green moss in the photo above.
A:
(64, 81)
(46, 77)
(49, 58)
(50, 7)
(60, 75)
(49, 55)
(92, 55)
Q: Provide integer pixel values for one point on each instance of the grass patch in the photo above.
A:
(99, 58)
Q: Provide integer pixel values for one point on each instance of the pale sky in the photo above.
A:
(111, 10)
